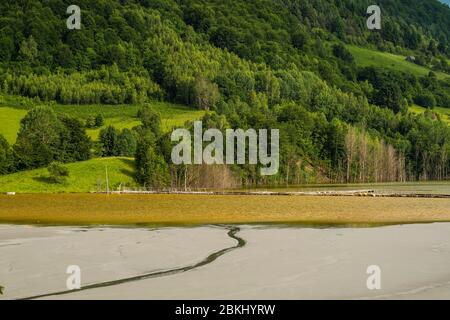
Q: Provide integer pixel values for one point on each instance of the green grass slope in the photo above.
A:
(444, 113)
(121, 117)
(85, 176)
(10, 122)
(366, 57)
(13, 109)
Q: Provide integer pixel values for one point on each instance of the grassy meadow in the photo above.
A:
(85, 176)
(366, 57)
(13, 109)
(95, 209)
(444, 113)
(10, 122)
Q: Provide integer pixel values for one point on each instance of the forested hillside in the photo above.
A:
(284, 64)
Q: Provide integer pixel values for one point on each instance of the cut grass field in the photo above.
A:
(86, 176)
(13, 109)
(366, 57)
(98, 209)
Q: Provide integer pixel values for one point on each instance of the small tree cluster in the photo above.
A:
(45, 137)
(93, 122)
(117, 143)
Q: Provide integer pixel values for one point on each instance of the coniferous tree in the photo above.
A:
(126, 143)
(5, 156)
(108, 138)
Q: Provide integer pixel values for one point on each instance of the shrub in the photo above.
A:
(58, 173)
(426, 100)
(90, 122)
(340, 51)
(95, 122)
(99, 120)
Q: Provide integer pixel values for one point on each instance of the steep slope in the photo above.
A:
(256, 64)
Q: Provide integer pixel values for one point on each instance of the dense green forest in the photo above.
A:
(282, 64)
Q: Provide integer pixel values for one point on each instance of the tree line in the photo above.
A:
(313, 149)
(105, 86)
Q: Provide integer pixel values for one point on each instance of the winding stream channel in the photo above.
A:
(232, 233)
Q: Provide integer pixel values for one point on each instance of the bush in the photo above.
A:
(90, 122)
(95, 122)
(58, 173)
(299, 39)
(99, 120)
(425, 100)
(340, 51)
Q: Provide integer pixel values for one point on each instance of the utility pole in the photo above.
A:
(185, 178)
(107, 180)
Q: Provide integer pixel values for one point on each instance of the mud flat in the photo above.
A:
(34, 260)
(273, 263)
(307, 263)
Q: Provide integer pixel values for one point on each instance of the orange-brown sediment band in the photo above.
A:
(216, 209)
